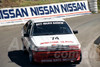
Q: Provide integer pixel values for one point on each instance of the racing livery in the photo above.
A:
(50, 40)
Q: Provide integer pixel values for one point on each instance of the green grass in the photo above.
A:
(21, 3)
(99, 6)
(40, 2)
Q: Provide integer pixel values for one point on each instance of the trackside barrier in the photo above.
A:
(93, 6)
(18, 15)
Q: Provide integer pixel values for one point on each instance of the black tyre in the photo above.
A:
(31, 57)
(78, 62)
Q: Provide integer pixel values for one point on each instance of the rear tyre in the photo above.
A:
(31, 57)
(79, 61)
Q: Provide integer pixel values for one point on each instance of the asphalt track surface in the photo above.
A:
(11, 54)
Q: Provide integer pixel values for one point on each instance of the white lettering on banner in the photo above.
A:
(43, 11)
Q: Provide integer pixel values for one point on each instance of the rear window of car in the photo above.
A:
(50, 28)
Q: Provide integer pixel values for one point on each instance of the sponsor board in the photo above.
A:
(19, 15)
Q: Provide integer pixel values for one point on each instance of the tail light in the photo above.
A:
(53, 48)
(75, 47)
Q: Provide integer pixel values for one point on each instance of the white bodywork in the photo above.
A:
(69, 39)
(46, 40)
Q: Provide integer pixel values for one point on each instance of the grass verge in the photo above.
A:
(98, 50)
(22, 3)
(99, 6)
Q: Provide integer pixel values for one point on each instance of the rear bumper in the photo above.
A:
(57, 56)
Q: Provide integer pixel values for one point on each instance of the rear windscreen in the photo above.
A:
(51, 28)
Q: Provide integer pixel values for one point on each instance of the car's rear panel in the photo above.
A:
(57, 56)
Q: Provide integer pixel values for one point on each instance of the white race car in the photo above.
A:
(50, 40)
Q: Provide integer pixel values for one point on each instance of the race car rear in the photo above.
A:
(50, 40)
(65, 48)
(57, 56)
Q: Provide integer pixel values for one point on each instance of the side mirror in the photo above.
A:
(26, 35)
(75, 31)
